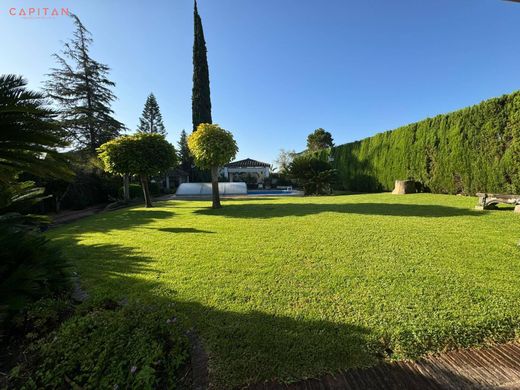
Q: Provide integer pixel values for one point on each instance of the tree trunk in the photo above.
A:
(146, 191)
(126, 187)
(214, 188)
(404, 187)
(167, 180)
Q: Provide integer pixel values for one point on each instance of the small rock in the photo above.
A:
(78, 294)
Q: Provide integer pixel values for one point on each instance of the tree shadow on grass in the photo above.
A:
(245, 347)
(121, 219)
(182, 230)
(263, 211)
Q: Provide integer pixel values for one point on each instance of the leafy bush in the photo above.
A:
(40, 318)
(280, 179)
(467, 151)
(89, 189)
(31, 268)
(315, 175)
(109, 347)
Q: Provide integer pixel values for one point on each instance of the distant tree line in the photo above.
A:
(471, 150)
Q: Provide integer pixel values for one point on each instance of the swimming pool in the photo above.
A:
(271, 192)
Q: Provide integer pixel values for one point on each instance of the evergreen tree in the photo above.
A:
(185, 158)
(319, 139)
(82, 90)
(201, 101)
(151, 119)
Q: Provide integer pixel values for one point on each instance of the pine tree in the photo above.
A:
(319, 139)
(82, 90)
(201, 101)
(151, 119)
(185, 158)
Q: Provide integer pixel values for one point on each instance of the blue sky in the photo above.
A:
(281, 68)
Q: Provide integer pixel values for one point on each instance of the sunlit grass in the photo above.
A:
(293, 287)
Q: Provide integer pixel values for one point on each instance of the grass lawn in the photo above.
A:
(289, 288)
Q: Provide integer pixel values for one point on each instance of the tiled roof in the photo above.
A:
(247, 163)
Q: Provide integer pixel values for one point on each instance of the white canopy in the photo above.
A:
(197, 189)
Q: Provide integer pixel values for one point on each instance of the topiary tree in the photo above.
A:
(143, 155)
(212, 147)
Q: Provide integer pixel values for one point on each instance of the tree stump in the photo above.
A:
(404, 187)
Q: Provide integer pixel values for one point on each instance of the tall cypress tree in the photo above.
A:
(200, 99)
(151, 119)
(83, 92)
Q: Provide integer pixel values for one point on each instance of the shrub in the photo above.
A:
(86, 190)
(31, 268)
(134, 346)
(40, 318)
(315, 175)
(280, 179)
(136, 191)
(89, 189)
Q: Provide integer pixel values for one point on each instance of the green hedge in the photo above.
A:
(136, 191)
(467, 151)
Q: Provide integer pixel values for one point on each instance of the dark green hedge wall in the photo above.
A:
(467, 151)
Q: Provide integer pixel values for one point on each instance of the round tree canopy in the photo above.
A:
(140, 154)
(212, 146)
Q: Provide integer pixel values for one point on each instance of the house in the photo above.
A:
(251, 171)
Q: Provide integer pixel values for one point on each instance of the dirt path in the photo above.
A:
(73, 215)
